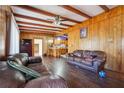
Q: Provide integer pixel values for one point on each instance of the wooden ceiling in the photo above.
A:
(35, 17)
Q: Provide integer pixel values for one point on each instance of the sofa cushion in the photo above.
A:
(87, 53)
(77, 53)
(70, 58)
(39, 68)
(36, 59)
(89, 59)
(50, 81)
(88, 63)
(78, 59)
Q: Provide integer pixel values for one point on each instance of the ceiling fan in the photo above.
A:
(57, 20)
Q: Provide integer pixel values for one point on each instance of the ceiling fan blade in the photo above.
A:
(50, 19)
(60, 24)
(64, 20)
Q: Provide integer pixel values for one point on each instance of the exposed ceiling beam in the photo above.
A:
(37, 19)
(70, 8)
(34, 24)
(40, 11)
(105, 8)
(35, 31)
(27, 27)
(46, 31)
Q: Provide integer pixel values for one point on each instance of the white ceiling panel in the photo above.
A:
(91, 10)
(29, 13)
(111, 6)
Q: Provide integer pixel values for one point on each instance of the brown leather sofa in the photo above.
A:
(87, 59)
(13, 78)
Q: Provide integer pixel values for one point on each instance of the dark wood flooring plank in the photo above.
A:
(81, 78)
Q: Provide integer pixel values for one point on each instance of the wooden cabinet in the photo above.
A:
(26, 46)
(56, 52)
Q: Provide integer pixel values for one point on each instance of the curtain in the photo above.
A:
(14, 37)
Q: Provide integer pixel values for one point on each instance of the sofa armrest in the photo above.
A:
(98, 65)
(36, 59)
(99, 59)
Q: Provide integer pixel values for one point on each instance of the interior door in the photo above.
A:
(37, 47)
(26, 46)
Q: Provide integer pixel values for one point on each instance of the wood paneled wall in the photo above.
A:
(106, 33)
(4, 10)
(2, 31)
(122, 44)
(45, 38)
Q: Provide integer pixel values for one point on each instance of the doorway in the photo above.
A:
(38, 47)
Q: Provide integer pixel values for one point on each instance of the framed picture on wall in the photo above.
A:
(83, 32)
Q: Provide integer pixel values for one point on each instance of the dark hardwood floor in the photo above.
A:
(76, 77)
(80, 78)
